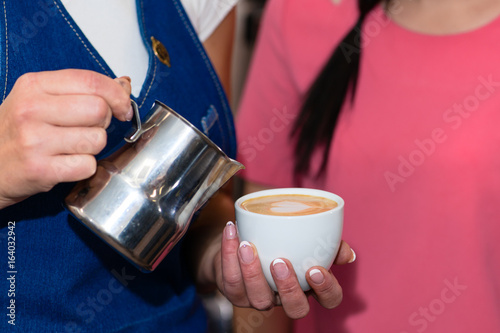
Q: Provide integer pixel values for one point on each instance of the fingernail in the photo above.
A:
(353, 258)
(316, 276)
(130, 114)
(127, 78)
(280, 269)
(246, 252)
(230, 230)
(123, 82)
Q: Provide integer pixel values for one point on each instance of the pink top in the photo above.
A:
(417, 160)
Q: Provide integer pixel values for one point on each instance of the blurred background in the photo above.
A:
(247, 24)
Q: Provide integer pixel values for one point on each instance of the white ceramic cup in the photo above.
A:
(305, 240)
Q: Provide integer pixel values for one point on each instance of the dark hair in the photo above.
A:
(316, 122)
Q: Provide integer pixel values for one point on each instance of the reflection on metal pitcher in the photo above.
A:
(143, 197)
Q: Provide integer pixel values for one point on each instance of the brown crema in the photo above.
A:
(288, 205)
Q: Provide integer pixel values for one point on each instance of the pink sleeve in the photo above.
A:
(269, 105)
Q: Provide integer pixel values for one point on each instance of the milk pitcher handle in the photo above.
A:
(136, 120)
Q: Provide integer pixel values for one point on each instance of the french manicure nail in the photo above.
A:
(316, 276)
(230, 231)
(353, 258)
(246, 252)
(280, 269)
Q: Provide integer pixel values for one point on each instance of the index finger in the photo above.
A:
(86, 82)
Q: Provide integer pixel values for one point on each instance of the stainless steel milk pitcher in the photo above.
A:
(143, 197)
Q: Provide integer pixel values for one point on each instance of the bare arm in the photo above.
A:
(219, 47)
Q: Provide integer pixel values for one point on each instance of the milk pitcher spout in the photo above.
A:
(221, 175)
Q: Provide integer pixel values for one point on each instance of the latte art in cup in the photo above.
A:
(288, 205)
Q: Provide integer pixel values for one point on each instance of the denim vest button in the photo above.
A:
(160, 51)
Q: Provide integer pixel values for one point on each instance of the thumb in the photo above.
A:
(125, 82)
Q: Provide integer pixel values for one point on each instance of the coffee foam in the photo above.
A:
(288, 207)
(288, 204)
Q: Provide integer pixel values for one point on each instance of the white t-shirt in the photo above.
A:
(113, 28)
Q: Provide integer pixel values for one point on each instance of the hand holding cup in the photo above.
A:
(302, 225)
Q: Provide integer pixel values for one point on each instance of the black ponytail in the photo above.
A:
(316, 122)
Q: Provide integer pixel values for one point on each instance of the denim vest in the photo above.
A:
(68, 280)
